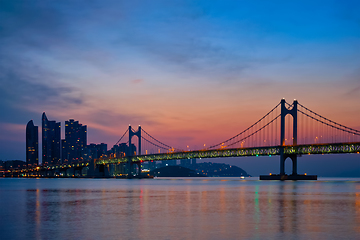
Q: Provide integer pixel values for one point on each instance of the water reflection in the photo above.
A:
(182, 209)
(357, 209)
(33, 213)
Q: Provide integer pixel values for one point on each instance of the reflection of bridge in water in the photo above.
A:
(306, 133)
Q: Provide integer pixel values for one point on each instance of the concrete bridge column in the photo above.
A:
(92, 168)
(283, 158)
(139, 168)
(107, 170)
(80, 171)
(282, 161)
(63, 171)
(129, 166)
(294, 161)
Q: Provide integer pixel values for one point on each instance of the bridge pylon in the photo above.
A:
(130, 152)
(282, 176)
(293, 112)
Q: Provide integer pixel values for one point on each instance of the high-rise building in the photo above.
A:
(32, 145)
(102, 149)
(122, 150)
(64, 152)
(95, 151)
(51, 136)
(75, 143)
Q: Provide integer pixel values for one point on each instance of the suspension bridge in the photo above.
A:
(287, 130)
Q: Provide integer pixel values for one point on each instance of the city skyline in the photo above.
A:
(192, 73)
(94, 151)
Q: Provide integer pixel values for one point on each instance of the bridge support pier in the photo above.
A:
(107, 172)
(139, 168)
(129, 167)
(282, 176)
(282, 162)
(283, 157)
(294, 160)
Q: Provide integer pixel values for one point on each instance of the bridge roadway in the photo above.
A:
(60, 167)
(217, 153)
(333, 148)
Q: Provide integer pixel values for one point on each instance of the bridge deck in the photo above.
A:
(243, 152)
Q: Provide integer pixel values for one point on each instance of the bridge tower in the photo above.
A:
(293, 112)
(130, 153)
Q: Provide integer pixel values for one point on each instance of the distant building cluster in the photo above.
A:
(205, 169)
(73, 148)
(121, 149)
(11, 165)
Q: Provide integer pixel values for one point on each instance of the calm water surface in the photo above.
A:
(201, 208)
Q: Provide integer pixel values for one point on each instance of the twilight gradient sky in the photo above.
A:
(190, 72)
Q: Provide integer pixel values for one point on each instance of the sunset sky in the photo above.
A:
(189, 72)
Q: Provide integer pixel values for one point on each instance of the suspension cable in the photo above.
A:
(354, 130)
(255, 131)
(168, 147)
(341, 129)
(154, 143)
(156, 139)
(121, 137)
(223, 142)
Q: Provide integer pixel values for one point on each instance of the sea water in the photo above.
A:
(179, 208)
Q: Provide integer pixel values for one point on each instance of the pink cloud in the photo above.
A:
(12, 132)
(137, 81)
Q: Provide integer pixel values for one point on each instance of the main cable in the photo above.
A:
(341, 129)
(255, 131)
(154, 143)
(168, 147)
(223, 142)
(121, 137)
(354, 130)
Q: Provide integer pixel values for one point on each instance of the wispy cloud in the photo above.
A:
(25, 85)
(137, 81)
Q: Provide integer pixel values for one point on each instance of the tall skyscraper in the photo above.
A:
(122, 150)
(95, 151)
(64, 152)
(32, 145)
(51, 136)
(75, 143)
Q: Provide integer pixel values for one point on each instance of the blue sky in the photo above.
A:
(173, 65)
